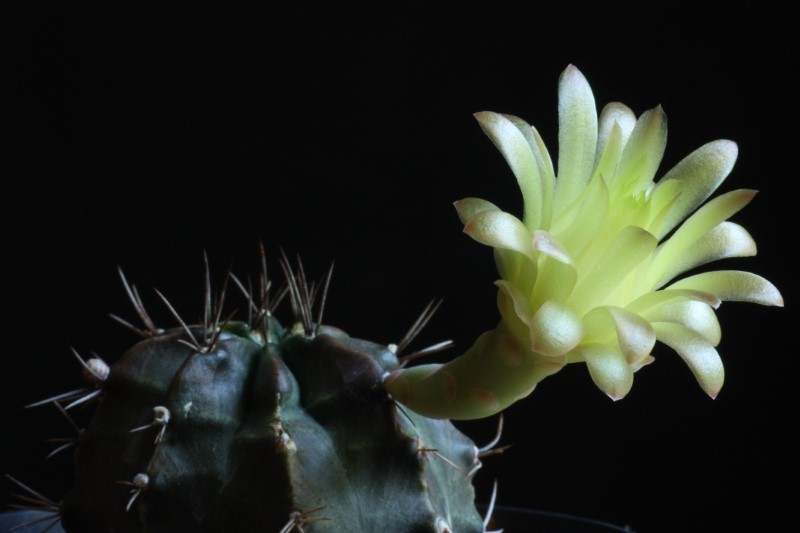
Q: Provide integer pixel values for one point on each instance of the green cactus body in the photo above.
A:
(296, 433)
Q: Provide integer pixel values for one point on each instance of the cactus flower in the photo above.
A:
(602, 263)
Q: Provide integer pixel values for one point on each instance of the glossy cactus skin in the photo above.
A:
(295, 432)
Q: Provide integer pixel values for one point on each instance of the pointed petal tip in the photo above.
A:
(616, 396)
(572, 78)
(638, 365)
(658, 111)
(712, 390)
(749, 193)
(572, 73)
(572, 70)
(770, 295)
(482, 116)
(467, 208)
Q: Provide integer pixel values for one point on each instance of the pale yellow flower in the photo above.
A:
(587, 274)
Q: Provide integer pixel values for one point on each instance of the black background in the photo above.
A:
(140, 136)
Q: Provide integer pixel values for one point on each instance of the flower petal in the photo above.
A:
(661, 199)
(469, 207)
(613, 116)
(516, 268)
(694, 228)
(633, 334)
(557, 275)
(726, 240)
(701, 357)
(692, 314)
(548, 177)
(555, 329)
(650, 300)
(643, 363)
(577, 137)
(546, 173)
(584, 219)
(643, 152)
(608, 368)
(734, 286)
(518, 153)
(499, 229)
(700, 173)
(549, 245)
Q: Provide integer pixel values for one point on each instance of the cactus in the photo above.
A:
(250, 426)
(247, 426)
